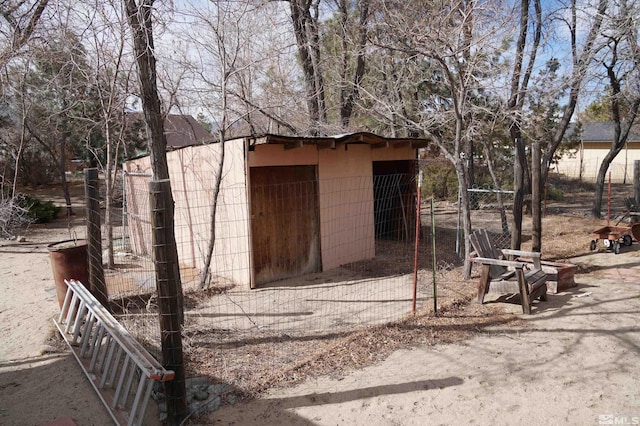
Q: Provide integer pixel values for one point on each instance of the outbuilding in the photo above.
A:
(287, 206)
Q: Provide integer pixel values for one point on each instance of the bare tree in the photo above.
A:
(110, 76)
(20, 21)
(324, 44)
(621, 62)
(59, 95)
(140, 20)
(449, 51)
(581, 52)
(305, 19)
(581, 58)
(346, 41)
(139, 16)
(520, 77)
(222, 46)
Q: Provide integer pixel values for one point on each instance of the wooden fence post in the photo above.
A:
(97, 284)
(165, 259)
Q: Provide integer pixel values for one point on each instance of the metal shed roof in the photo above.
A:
(374, 140)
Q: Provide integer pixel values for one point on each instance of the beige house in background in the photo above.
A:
(287, 205)
(584, 162)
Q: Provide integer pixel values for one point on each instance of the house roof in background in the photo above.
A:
(184, 130)
(181, 130)
(601, 131)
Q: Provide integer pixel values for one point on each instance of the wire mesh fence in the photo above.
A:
(297, 265)
(489, 210)
(290, 266)
(293, 263)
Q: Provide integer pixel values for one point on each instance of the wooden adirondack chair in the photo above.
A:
(508, 275)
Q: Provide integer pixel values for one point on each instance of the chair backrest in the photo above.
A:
(481, 242)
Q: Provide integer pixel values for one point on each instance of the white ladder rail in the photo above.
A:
(121, 371)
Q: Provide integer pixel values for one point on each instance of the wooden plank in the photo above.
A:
(482, 244)
(483, 284)
(524, 293)
(499, 262)
(531, 256)
(285, 225)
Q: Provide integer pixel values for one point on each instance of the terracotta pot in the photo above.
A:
(69, 261)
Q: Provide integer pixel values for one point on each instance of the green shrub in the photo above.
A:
(40, 212)
(553, 193)
(440, 180)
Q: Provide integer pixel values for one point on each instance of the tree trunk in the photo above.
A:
(348, 97)
(620, 136)
(579, 71)
(62, 169)
(519, 86)
(536, 198)
(305, 28)
(600, 180)
(519, 192)
(465, 214)
(140, 21)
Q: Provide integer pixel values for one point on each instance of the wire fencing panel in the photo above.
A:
(330, 269)
(490, 210)
(324, 257)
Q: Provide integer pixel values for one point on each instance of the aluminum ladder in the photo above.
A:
(121, 371)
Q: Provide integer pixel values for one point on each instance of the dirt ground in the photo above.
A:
(574, 361)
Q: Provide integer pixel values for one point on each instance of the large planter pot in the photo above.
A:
(69, 261)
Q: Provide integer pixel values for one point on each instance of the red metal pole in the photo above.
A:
(417, 244)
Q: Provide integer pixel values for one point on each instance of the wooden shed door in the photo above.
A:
(285, 225)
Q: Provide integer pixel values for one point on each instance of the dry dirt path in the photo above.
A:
(575, 362)
(37, 386)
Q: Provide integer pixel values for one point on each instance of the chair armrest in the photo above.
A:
(499, 262)
(521, 253)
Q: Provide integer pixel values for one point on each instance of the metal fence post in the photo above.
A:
(435, 259)
(417, 244)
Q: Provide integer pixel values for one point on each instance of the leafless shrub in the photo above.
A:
(12, 217)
